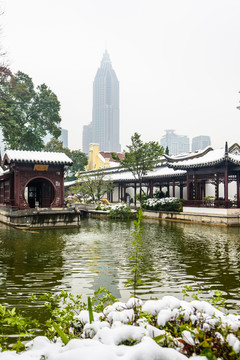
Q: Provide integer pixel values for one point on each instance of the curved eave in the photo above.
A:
(234, 161)
(197, 165)
(171, 159)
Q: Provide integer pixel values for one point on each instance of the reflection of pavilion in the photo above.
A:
(33, 179)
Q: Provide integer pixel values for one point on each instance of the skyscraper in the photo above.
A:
(104, 128)
(176, 144)
(200, 142)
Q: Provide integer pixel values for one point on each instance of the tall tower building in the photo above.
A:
(104, 128)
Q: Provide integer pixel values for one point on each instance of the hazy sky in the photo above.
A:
(177, 61)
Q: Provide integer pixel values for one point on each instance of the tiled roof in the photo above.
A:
(160, 172)
(36, 157)
(212, 157)
(108, 155)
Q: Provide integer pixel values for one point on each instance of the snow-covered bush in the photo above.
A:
(165, 204)
(120, 211)
(163, 329)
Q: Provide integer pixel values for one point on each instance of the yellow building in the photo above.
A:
(99, 160)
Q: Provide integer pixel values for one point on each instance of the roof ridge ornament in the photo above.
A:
(226, 149)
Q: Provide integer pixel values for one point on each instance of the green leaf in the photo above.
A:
(90, 310)
(59, 331)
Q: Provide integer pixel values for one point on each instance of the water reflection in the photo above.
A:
(81, 260)
(30, 262)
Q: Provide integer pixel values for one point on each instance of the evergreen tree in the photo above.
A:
(26, 114)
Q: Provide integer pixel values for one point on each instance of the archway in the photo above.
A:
(39, 192)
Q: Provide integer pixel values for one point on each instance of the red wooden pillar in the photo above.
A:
(135, 194)
(151, 188)
(62, 186)
(238, 199)
(181, 190)
(226, 186)
(168, 193)
(193, 187)
(188, 189)
(119, 192)
(216, 183)
(124, 193)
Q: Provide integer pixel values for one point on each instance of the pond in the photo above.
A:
(81, 260)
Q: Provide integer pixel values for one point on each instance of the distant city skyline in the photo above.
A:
(178, 144)
(104, 127)
(175, 143)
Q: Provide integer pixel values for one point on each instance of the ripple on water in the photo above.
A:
(173, 255)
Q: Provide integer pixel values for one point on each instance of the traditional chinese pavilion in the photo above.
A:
(192, 177)
(32, 179)
(219, 166)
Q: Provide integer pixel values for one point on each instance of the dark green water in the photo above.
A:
(81, 260)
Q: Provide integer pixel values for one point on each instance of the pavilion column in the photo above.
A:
(119, 192)
(226, 186)
(188, 188)
(168, 194)
(62, 188)
(124, 192)
(238, 195)
(194, 187)
(135, 194)
(173, 188)
(216, 183)
(181, 190)
(151, 188)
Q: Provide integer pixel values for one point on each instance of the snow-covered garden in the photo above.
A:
(163, 329)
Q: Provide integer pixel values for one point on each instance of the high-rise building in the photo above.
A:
(63, 137)
(104, 128)
(2, 145)
(176, 144)
(200, 142)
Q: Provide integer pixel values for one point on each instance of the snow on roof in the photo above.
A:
(235, 158)
(101, 158)
(164, 171)
(124, 175)
(36, 157)
(111, 163)
(206, 157)
(189, 155)
(211, 157)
